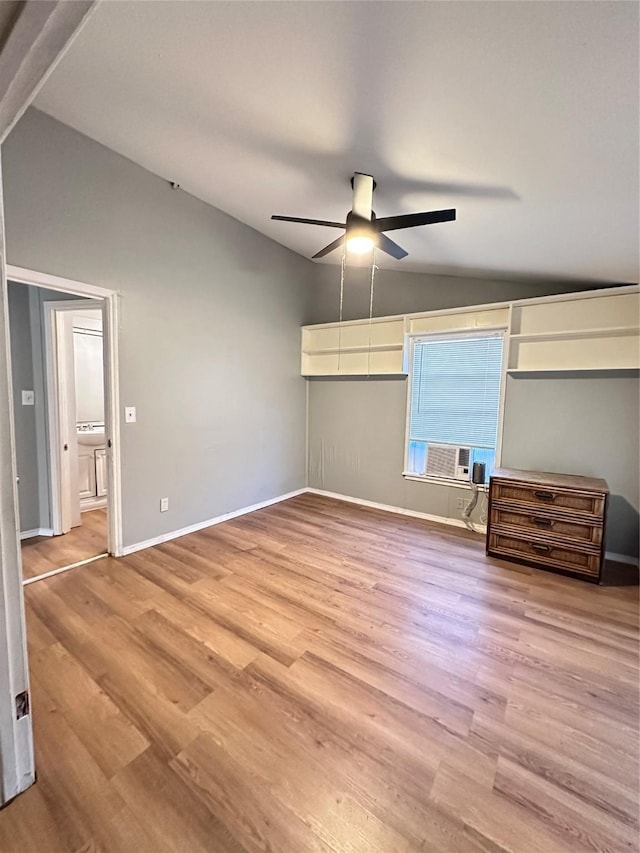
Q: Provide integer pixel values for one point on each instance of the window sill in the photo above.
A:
(443, 481)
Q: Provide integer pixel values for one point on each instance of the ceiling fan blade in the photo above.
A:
(309, 221)
(391, 248)
(411, 220)
(362, 195)
(335, 245)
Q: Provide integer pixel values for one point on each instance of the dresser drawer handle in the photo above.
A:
(545, 496)
(541, 549)
(542, 522)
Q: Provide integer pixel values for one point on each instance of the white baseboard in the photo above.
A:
(89, 504)
(210, 522)
(438, 519)
(37, 531)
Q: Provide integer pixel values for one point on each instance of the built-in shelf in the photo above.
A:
(364, 348)
(573, 372)
(354, 348)
(593, 333)
(572, 334)
(333, 377)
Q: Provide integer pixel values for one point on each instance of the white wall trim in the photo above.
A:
(89, 504)
(621, 290)
(56, 282)
(111, 325)
(210, 522)
(37, 531)
(444, 481)
(398, 510)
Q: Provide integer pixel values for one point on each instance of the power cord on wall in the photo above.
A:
(484, 512)
(470, 506)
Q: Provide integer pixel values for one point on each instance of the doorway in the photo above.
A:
(63, 357)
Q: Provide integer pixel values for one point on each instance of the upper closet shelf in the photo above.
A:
(567, 334)
(574, 372)
(580, 334)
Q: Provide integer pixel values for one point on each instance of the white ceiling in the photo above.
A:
(269, 107)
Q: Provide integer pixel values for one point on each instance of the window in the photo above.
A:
(454, 387)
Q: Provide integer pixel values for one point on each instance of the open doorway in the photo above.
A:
(64, 411)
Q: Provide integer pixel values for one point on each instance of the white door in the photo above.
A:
(62, 405)
(101, 472)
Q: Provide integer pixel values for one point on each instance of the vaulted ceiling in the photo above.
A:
(269, 107)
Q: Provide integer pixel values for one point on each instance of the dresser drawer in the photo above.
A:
(546, 496)
(541, 521)
(544, 554)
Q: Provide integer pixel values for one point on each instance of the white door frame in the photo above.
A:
(36, 40)
(109, 303)
(64, 500)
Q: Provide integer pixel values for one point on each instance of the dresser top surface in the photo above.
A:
(545, 478)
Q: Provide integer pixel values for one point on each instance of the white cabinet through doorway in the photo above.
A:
(92, 476)
(101, 472)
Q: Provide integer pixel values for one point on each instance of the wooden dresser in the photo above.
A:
(550, 521)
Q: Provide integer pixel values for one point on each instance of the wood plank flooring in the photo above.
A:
(43, 554)
(321, 677)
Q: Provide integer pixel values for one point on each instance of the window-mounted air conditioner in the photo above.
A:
(448, 461)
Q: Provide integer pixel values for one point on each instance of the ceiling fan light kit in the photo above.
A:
(363, 231)
(360, 244)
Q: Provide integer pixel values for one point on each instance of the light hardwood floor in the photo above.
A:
(42, 554)
(320, 677)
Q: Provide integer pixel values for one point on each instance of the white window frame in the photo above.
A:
(476, 332)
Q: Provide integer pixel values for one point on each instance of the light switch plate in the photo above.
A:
(164, 504)
(130, 414)
(28, 398)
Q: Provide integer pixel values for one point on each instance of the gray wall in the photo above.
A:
(24, 416)
(574, 426)
(397, 292)
(27, 356)
(581, 426)
(357, 427)
(356, 446)
(209, 332)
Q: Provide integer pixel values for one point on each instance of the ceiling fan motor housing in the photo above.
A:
(361, 221)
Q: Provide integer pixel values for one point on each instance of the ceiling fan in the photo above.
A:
(363, 231)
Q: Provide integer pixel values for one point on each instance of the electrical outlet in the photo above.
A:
(28, 398)
(164, 504)
(460, 503)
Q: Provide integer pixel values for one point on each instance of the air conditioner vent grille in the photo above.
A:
(447, 461)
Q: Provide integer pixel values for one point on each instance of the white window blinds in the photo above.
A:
(455, 389)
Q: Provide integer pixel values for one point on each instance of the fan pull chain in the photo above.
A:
(373, 275)
(342, 263)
